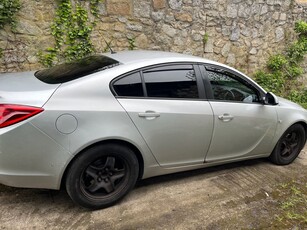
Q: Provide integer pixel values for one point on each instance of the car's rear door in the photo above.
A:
(166, 104)
(243, 126)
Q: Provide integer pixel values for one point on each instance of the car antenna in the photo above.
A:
(109, 46)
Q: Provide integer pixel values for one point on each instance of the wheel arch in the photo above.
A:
(304, 124)
(127, 144)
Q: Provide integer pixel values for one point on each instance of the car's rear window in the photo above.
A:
(70, 71)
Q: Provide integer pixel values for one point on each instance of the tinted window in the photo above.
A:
(74, 70)
(226, 87)
(130, 85)
(171, 83)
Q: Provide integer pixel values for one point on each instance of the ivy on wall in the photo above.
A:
(71, 29)
(283, 70)
(8, 10)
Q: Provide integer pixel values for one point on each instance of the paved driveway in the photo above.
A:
(231, 196)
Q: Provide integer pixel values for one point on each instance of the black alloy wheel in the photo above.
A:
(102, 175)
(289, 145)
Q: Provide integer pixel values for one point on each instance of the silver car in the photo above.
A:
(99, 124)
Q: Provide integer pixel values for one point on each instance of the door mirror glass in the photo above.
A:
(270, 99)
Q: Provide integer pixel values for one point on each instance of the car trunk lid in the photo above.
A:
(25, 89)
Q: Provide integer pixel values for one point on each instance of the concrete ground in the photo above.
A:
(234, 196)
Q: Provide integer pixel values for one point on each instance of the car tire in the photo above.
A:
(289, 145)
(102, 175)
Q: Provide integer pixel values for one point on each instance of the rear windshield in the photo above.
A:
(74, 70)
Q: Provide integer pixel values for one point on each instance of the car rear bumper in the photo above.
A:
(30, 158)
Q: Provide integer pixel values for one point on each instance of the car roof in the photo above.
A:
(129, 57)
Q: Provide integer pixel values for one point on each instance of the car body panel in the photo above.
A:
(250, 132)
(25, 89)
(24, 163)
(187, 124)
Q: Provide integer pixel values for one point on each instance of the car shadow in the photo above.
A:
(59, 199)
(208, 172)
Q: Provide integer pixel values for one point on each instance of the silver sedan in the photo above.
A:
(99, 124)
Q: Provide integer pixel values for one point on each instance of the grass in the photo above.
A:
(292, 205)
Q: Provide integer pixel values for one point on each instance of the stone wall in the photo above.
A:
(241, 33)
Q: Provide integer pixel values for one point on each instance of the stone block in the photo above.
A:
(119, 7)
(141, 41)
(279, 34)
(264, 10)
(157, 15)
(209, 46)
(253, 51)
(168, 30)
(301, 1)
(142, 8)
(28, 27)
(184, 17)
(226, 49)
(175, 4)
(235, 34)
(158, 4)
(283, 17)
(232, 11)
(231, 59)
(134, 27)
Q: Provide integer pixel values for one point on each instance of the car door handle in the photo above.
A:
(225, 117)
(149, 114)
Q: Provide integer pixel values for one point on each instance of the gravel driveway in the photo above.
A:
(232, 196)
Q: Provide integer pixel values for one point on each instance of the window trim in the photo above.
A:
(233, 74)
(199, 82)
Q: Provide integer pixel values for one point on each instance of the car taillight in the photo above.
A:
(12, 114)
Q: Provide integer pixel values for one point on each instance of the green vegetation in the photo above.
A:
(8, 10)
(292, 199)
(131, 42)
(283, 70)
(71, 29)
(205, 38)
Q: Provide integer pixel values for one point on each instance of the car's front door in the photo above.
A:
(175, 123)
(243, 126)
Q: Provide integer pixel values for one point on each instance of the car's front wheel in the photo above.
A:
(102, 175)
(289, 145)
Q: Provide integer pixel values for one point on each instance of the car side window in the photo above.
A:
(129, 86)
(226, 87)
(173, 82)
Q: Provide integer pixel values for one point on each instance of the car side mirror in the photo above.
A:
(270, 99)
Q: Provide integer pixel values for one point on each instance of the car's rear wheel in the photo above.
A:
(102, 175)
(289, 145)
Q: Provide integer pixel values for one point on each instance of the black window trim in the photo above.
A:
(237, 76)
(170, 66)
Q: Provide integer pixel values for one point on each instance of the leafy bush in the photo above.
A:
(283, 70)
(8, 9)
(301, 27)
(277, 62)
(271, 82)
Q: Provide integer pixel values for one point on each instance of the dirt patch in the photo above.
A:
(249, 195)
